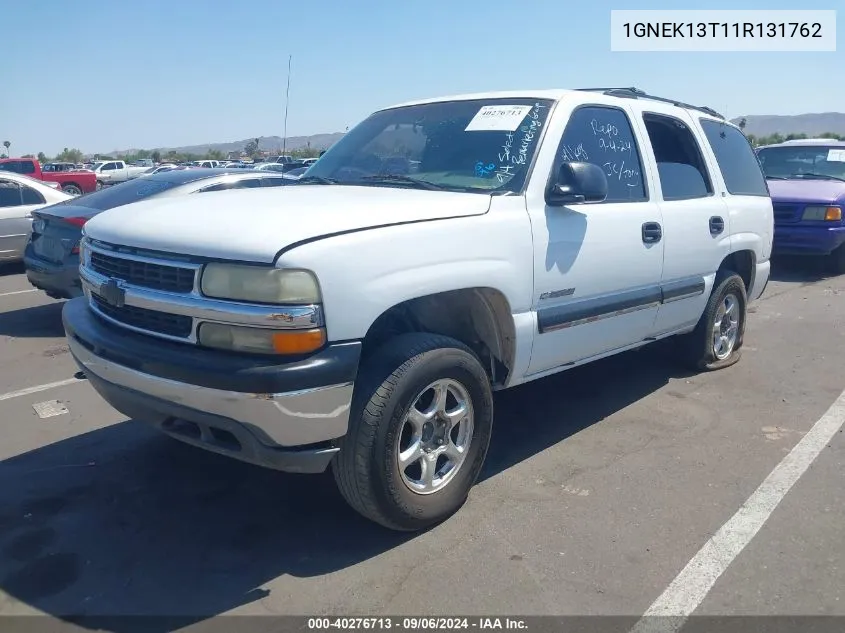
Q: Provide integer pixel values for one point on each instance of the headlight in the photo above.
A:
(259, 340)
(258, 284)
(822, 214)
(84, 252)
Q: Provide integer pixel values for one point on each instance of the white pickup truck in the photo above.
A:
(116, 171)
(361, 317)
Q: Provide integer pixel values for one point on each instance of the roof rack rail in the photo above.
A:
(636, 93)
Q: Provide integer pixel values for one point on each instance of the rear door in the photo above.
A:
(695, 218)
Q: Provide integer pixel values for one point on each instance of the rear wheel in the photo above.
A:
(99, 185)
(72, 189)
(418, 434)
(717, 338)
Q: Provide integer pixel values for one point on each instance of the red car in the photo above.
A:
(74, 183)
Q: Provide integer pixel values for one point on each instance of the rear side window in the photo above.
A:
(602, 135)
(737, 161)
(10, 194)
(680, 165)
(19, 166)
(31, 196)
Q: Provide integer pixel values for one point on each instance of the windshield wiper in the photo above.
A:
(316, 179)
(775, 177)
(405, 180)
(819, 176)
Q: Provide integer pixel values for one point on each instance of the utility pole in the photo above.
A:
(287, 97)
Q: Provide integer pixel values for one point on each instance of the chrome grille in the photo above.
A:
(143, 273)
(149, 320)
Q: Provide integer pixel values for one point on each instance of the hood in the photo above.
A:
(808, 191)
(255, 224)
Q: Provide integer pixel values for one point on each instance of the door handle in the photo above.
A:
(652, 232)
(717, 225)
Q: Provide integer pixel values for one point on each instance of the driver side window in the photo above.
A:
(602, 135)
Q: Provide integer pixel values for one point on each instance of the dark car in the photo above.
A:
(52, 252)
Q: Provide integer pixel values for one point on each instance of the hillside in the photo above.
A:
(756, 124)
(809, 124)
(272, 143)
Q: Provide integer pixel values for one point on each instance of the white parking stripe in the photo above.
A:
(695, 581)
(17, 292)
(37, 388)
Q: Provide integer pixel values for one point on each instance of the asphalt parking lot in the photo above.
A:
(602, 484)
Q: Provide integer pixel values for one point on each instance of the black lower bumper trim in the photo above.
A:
(335, 364)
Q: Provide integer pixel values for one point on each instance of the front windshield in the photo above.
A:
(803, 162)
(480, 146)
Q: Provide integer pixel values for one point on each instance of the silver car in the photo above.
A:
(52, 252)
(19, 196)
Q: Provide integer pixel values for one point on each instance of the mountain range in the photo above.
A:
(809, 124)
(270, 143)
(756, 124)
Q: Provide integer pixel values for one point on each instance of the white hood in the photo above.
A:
(255, 224)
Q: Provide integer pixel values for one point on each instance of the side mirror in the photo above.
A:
(576, 183)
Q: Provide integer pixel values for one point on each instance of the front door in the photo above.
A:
(597, 267)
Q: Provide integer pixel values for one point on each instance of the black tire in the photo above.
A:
(72, 189)
(697, 347)
(366, 468)
(99, 185)
(836, 261)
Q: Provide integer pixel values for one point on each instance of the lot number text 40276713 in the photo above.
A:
(416, 623)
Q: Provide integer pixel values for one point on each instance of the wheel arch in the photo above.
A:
(743, 263)
(479, 317)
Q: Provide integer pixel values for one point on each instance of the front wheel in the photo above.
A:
(418, 434)
(716, 341)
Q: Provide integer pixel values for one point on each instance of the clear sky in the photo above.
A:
(159, 73)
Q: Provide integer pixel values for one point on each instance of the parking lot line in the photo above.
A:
(691, 586)
(17, 292)
(37, 388)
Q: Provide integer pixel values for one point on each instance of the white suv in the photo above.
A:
(362, 316)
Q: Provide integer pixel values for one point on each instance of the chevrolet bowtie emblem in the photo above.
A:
(113, 294)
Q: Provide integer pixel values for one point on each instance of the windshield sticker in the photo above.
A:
(836, 155)
(483, 170)
(503, 118)
(517, 144)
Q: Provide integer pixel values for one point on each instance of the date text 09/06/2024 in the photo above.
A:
(723, 29)
(415, 623)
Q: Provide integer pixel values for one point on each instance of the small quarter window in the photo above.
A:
(737, 161)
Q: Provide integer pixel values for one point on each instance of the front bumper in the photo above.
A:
(277, 416)
(807, 240)
(60, 281)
